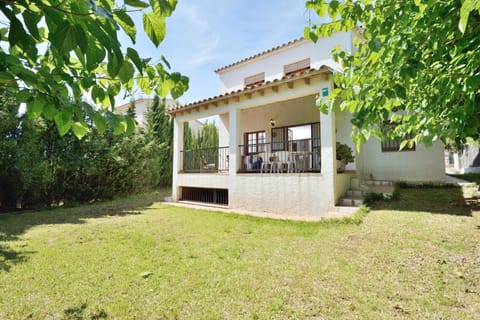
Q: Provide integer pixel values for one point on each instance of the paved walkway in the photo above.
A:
(456, 181)
(210, 207)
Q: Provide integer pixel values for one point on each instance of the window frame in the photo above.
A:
(389, 145)
(258, 143)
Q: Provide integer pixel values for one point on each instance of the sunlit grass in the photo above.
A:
(138, 258)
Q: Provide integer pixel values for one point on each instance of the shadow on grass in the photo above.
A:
(79, 313)
(13, 225)
(436, 200)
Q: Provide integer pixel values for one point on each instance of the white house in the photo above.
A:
(277, 151)
(463, 160)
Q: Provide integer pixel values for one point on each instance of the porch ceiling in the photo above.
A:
(236, 96)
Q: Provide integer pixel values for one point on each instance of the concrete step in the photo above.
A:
(355, 183)
(378, 183)
(355, 193)
(351, 201)
(386, 190)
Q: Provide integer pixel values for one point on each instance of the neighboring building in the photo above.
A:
(465, 160)
(269, 122)
(141, 106)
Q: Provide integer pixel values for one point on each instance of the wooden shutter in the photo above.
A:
(295, 67)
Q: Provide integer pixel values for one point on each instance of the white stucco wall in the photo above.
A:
(300, 195)
(421, 165)
(232, 79)
(203, 180)
(223, 130)
(344, 131)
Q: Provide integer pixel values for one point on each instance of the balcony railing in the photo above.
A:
(293, 156)
(207, 160)
(281, 157)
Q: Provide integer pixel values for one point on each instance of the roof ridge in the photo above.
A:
(286, 44)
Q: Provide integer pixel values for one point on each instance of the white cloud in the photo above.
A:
(193, 15)
(191, 26)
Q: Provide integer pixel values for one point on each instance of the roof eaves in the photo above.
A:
(300, 75)
(287, 44)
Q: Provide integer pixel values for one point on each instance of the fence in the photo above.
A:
(207, 160)
(286, 156)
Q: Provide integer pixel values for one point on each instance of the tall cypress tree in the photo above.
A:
(160, 131)
(131, 111)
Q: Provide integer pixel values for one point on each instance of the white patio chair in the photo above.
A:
(284, 158)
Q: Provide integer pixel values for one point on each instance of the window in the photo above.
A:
(254, 80)
(393, 145)
(255, 142)
(296, 67)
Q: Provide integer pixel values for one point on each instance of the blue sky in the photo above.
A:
(204, 35)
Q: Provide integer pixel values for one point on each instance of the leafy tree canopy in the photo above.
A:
(53, 52)
(417, 66)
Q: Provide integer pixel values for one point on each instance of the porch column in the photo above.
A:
(328, 170)
(177, 146)
(235, 134)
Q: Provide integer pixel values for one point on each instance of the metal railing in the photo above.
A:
(281, 157)
(207, 160)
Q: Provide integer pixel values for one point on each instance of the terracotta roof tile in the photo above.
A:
(252, 88)
(261, 54)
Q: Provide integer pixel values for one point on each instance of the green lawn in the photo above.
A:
(417, 257)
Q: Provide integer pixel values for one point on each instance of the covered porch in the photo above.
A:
(276, 150)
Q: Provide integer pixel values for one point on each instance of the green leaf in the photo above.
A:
(99, 122)
(165, 61)
(133, 55)
(164, 87)
(131, 125)
(113, 65)
(49, 111)
(67, 37)
(467, 7)
(80, 129)
(35, 107)
(102, 12)
(120, 126)
(24, 95)
(17, 35)
(63, 122)
(111, 97)
(137, 4)
(163, 8)
(154, 26)
(98, 94)
(6, 78)
(31, 20)
(126, 72)
(144, 84)
(126, 23)
(80, 37)
(95, 54)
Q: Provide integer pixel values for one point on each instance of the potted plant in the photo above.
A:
(344, 156)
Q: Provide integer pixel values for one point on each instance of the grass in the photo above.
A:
(416, 257)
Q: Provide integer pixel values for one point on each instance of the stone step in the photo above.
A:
(355, 183)
(386, 190)
(378, 183)
(355, 193)
(351, 201)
